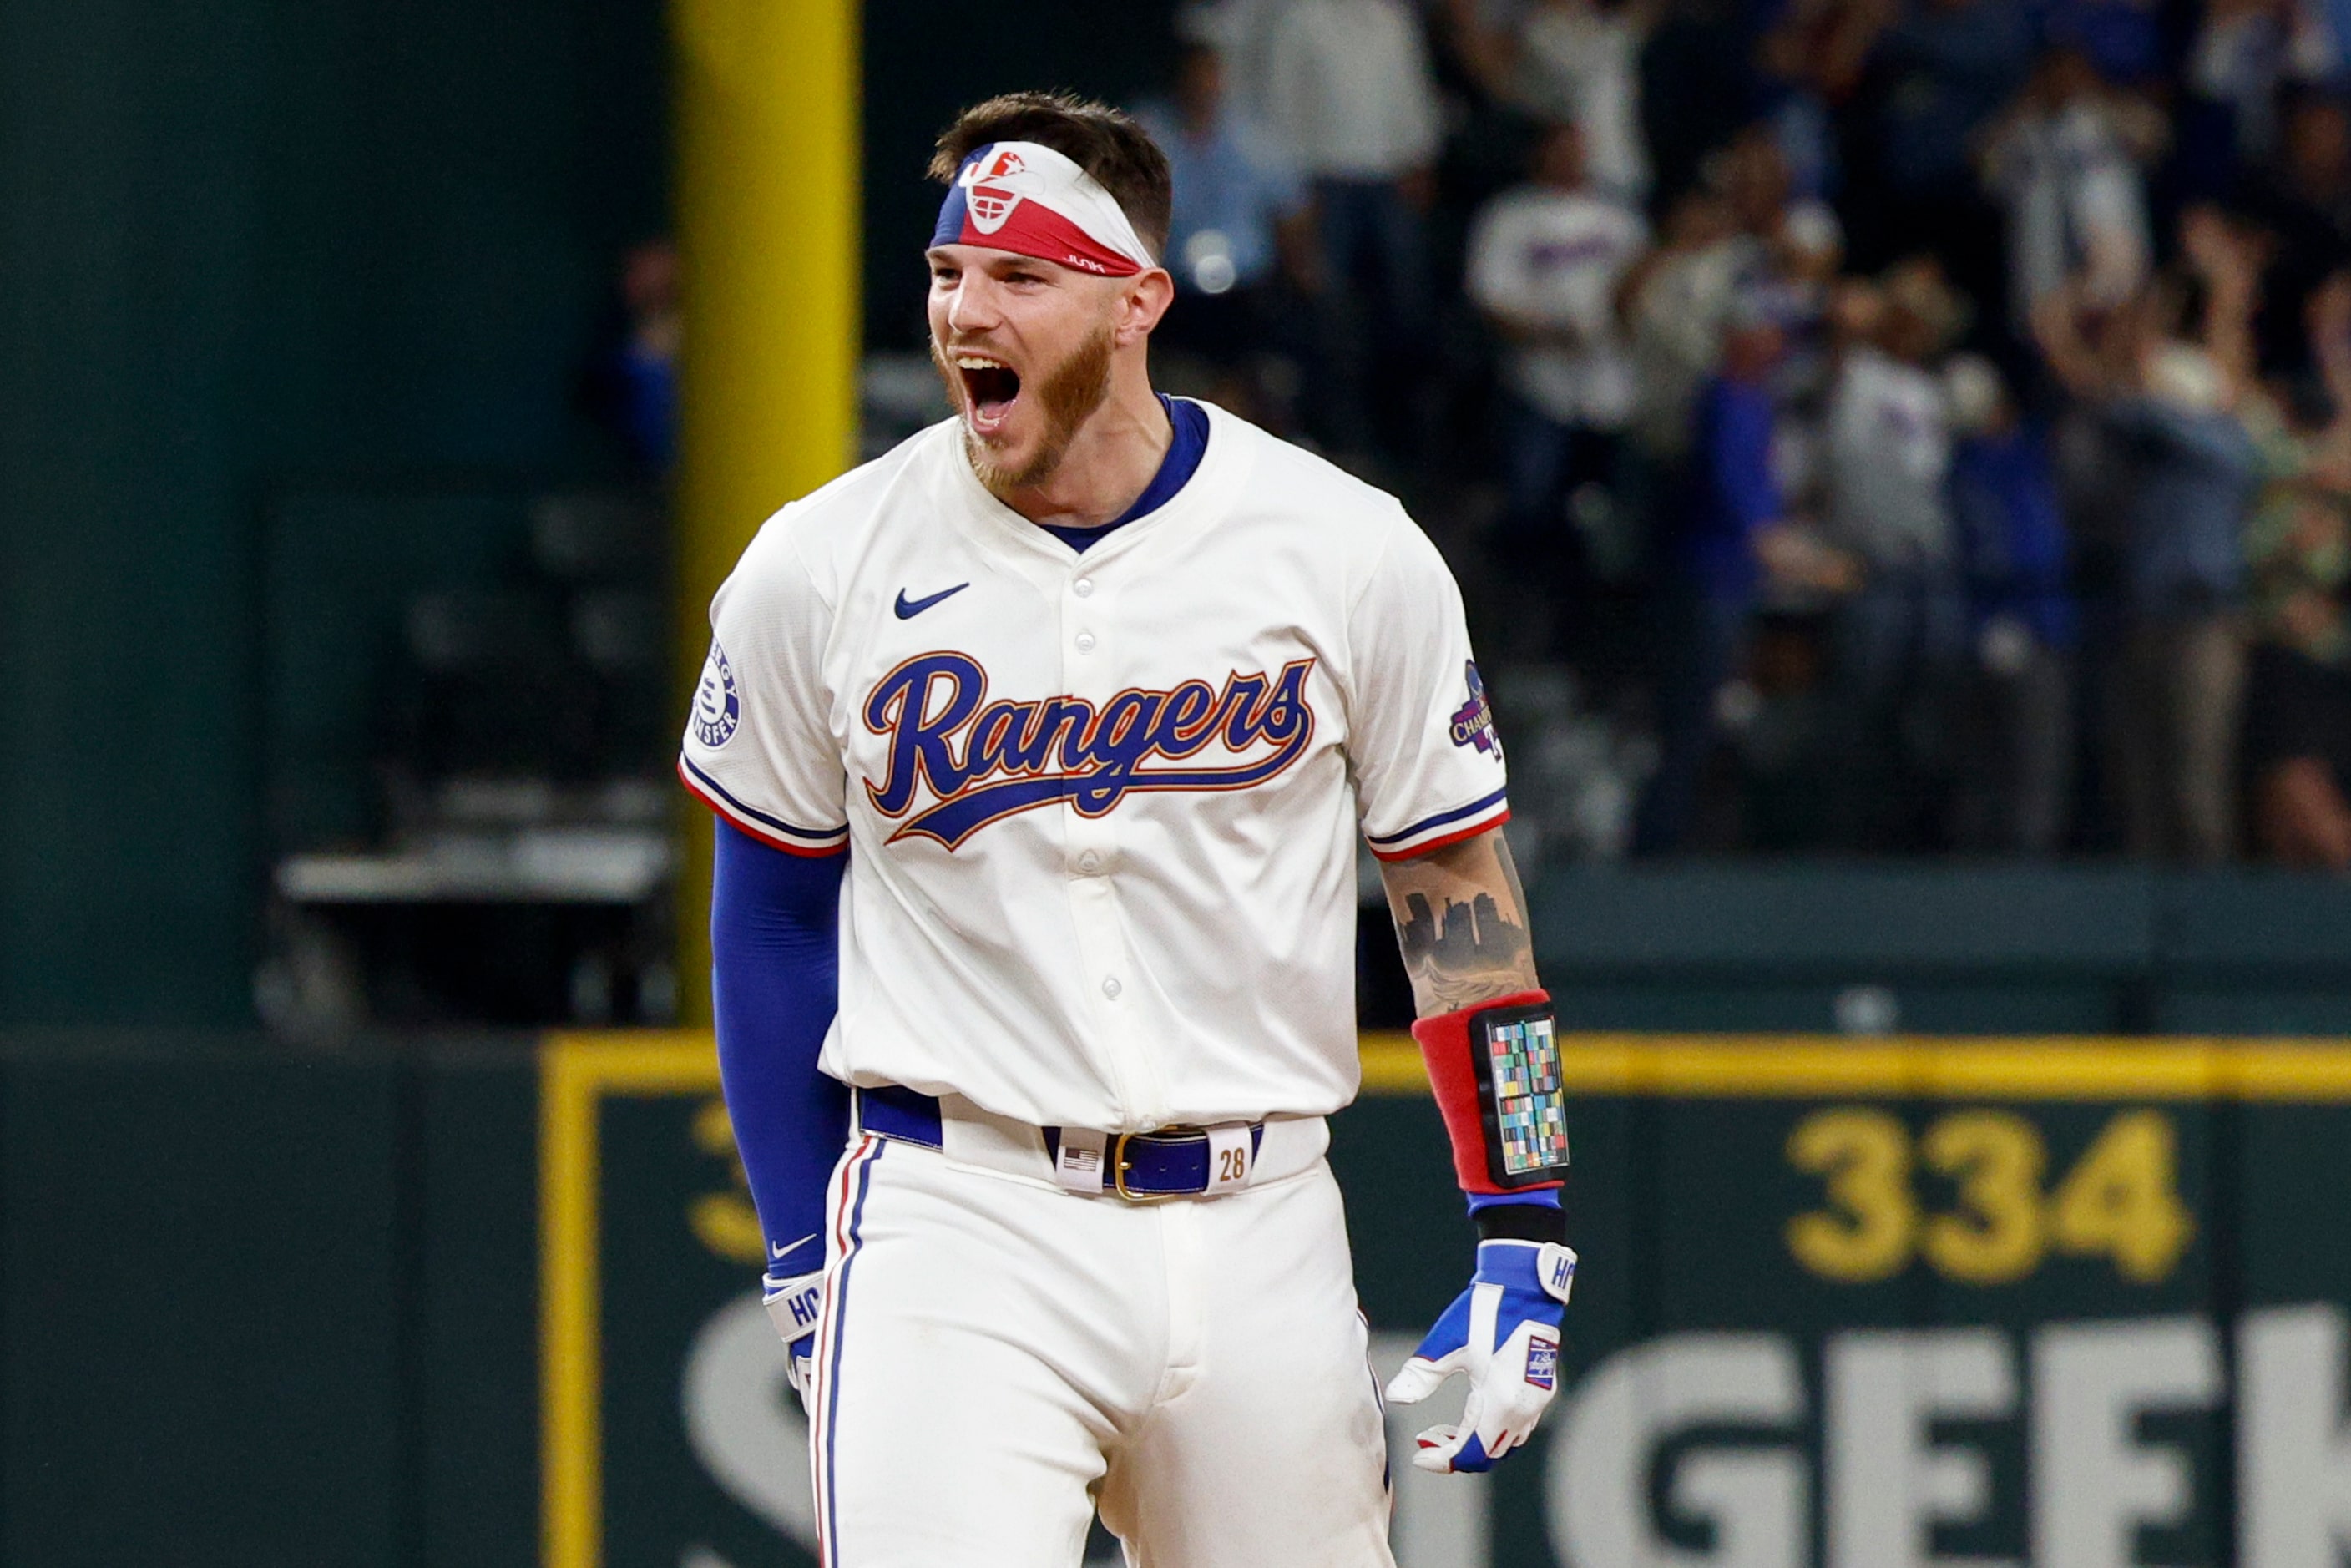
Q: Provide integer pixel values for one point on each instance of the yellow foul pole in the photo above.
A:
(767, 134)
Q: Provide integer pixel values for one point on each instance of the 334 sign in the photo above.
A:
(2002, 1214)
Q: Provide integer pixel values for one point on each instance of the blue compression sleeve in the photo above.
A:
(775, 978)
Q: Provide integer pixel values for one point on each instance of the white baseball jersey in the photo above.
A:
(1102, 808)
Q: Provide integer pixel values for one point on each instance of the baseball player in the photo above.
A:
(1040, 748)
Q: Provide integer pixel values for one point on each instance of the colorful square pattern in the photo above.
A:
(1529, 1096)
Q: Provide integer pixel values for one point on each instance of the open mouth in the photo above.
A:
(990, 388)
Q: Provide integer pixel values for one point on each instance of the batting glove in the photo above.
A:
(794, 1305)
(1503, 1331)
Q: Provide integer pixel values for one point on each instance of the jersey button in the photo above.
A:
(1084, 588)
(1110, 987)
(1085, 642)
(1090, 863)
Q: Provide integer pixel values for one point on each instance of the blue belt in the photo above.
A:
(1173, 1163)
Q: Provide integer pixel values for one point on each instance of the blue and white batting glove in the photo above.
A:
(1503, 1331)
(794, 1305)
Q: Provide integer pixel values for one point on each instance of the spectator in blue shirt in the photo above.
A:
(630, 387)
(1240, 223)
(2013, 548)
(1732, 534)
(2165, 392)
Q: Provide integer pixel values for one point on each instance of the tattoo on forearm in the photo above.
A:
(1465, 948)
(1462, 921)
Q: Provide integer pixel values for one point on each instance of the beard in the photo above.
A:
(1067, 396)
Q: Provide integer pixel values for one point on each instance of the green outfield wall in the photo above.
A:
(2069, 1302)
(1980, 949)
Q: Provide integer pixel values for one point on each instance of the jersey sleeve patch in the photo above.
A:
(717, 705)
(1472, 723)
(771, 830)
(1433, 832)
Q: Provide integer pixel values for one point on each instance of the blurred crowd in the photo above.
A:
(1869, 425)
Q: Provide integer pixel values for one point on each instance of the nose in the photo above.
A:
(971, 303)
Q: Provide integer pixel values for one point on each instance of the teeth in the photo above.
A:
(974, 362)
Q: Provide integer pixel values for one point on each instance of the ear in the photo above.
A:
(1142, 301)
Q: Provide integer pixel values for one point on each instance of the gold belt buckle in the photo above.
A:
(1119, 1167)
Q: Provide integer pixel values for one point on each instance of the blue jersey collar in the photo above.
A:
(1190, 444)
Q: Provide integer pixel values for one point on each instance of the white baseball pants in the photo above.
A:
(999, 1357)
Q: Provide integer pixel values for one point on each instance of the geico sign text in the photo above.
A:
(1891, 1475)
(1704, 1429)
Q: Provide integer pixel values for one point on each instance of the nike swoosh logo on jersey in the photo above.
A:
(776, 1254)
(910, 608)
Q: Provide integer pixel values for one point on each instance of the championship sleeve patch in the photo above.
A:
(1472, 723)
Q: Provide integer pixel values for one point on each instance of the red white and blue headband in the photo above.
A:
(1024, 197)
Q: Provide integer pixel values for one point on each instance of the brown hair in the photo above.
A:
(1105, 142)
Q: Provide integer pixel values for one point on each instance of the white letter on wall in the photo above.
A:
(1754, 1499)
(2294, 1455)
(1437, 1522)
(2093, 1483)
(1888, 1483)
(745, 1421)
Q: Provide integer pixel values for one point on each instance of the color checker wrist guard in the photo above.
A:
(1495, 1072)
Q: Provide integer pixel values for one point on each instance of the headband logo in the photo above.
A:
(1027, 198)
(990, 206)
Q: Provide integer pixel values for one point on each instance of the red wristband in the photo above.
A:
(1449, 1045)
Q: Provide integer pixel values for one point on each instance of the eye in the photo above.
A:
(942, 273)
